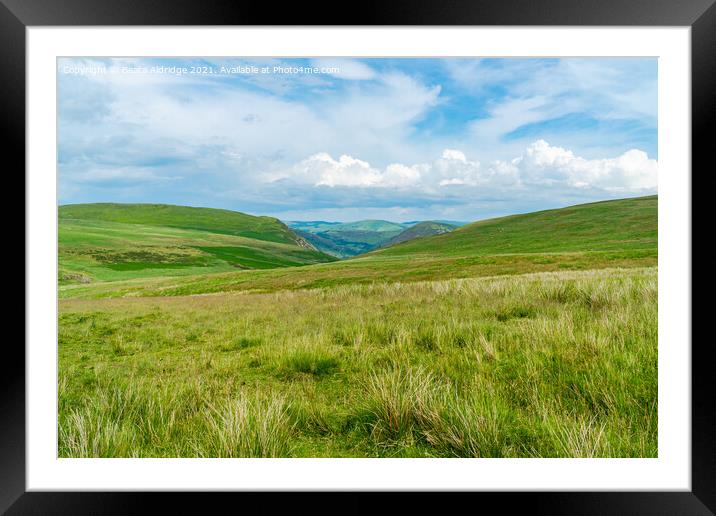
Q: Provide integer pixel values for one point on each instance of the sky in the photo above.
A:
(347, 139)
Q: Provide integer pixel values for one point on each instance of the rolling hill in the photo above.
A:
(620, 233)
(211, 220)
(600, 226)
(421, 229)
(107, 242)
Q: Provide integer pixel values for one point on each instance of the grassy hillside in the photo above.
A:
(184, 217)
(102, 250)
(419, 230)
(619, 233)
(600, 226)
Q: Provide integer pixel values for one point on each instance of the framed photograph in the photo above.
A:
(434, 250)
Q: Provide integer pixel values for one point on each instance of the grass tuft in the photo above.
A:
(248, 428)
(308, 359)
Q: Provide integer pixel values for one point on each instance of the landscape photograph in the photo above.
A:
(357, 257)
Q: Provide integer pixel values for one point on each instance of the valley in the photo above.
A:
(209, 333)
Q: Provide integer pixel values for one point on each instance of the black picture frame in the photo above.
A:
(17, 15)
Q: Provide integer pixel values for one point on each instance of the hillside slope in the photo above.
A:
(169, 242)
(615, 234)
(419, 230)
(601, 226)
(212, 220)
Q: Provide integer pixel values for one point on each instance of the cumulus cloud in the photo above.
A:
(322, 170)
(453, 168)
(397, 174)
(545, 164)
(540, 165)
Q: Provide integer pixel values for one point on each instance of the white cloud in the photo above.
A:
(545, 164)
(540, 165)
(453, 168)
(511, 114)
(397, 174)
(454, 155)
(322, 170)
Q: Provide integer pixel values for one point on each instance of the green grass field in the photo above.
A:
(526, 336)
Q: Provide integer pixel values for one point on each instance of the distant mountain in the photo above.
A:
(312, 226)
(345, 239)
(420, 229)
(380, 226)
(332, 246)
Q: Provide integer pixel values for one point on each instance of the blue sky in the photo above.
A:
(348, 139)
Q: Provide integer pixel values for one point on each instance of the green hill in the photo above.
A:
(600, 226)
(225, 222)
(106, 242)
(621, 233)
(419, 230)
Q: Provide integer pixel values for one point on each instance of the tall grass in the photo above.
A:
(541, 365)
(133, 421)
(401, 404)
(245, 428)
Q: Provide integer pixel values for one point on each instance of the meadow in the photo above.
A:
(540, 365)
(525, 336)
